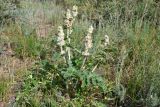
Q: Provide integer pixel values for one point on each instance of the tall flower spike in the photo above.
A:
(75, 11)
(88, 42)
(106, 40)
(60, 38)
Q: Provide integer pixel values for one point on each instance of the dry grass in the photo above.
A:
(12, 71)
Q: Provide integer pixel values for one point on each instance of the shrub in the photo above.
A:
(8, 10)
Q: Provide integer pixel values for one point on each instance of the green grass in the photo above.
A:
(3, 88)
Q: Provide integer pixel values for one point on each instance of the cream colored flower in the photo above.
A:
(75, 11)
(62, 52)
(70, 32)
(106, 40)
(68, 22)
(90, 30)
(68, 14)
(60, 38)
(86, 52)
(88, 42)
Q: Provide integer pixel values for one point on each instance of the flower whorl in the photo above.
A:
(68, 19)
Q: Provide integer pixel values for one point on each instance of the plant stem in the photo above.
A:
(63, 54)
(84, 60)
(95, 67)
(68, 48)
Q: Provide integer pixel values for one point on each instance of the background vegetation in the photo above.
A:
(129, 71)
